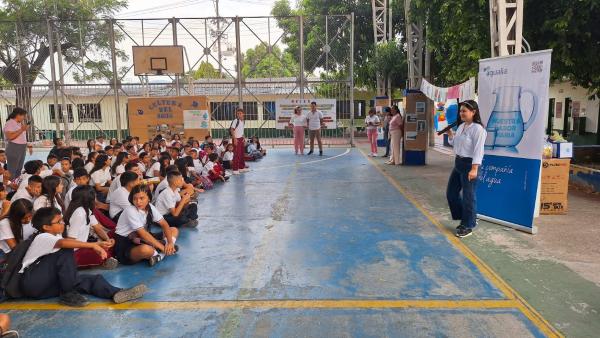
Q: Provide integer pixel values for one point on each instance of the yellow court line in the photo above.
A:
(274, 304)
(508, 291)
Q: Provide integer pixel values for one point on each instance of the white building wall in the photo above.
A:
(589, 108)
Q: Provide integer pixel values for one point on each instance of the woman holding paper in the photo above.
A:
(468, 142)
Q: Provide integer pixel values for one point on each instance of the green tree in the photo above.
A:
(314, 33)
(260, 62)
(458, 35)
(206, 71)
(23, 55)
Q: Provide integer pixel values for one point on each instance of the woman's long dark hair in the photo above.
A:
(90, 156)
(472, 106)
(49, 185)
(16, 111)
(182, 164)
(100, 162)
(18, 209)
(143, 188)
(83, 196)
(120, 157)
(164, 161)
(91, 148)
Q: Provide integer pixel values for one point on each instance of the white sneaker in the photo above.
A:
(236, 172)
(374, 155)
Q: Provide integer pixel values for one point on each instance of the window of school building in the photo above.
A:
(89, 112)
(53, 114)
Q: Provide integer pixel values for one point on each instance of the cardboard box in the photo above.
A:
(562, 150)
(554, 186)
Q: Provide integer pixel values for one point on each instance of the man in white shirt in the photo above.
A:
(236, 129)
(315, 123)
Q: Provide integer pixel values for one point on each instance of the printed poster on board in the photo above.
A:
(513, 101)
(284, 109)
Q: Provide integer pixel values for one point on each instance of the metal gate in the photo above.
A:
(235, 61)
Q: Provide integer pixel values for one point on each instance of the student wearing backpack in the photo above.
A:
(16, 226)
(54, 273)
(236, 129)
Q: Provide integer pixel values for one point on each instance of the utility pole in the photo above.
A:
(220, 56)
(380, 34)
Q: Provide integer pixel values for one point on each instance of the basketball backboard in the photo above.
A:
(158, 60)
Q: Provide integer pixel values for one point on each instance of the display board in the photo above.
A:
(555, 186)
(284, 109)
(415, 121)
(184, 115)
(513, 101)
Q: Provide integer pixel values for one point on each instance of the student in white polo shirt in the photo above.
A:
(119, 199)
(315, 123)
(16, 226)
(236, 129)
(174, 205)
(31, 191)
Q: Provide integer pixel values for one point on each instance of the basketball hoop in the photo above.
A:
(158, 60)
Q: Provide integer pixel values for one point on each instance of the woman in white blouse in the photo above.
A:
(372, 122)
(298, 122)
(468, 142)
(100, 177)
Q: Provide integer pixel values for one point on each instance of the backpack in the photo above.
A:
(232, 127)
(11, 280)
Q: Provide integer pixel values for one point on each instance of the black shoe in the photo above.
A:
(320, 153)
(464, 232)
(73, 298)
(126, 295)
(460, 227)
(310, 152)
(154, 259)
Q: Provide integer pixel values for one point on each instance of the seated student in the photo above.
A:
(156, 168)
(52, 163)
(4, 201)
(80, 177)
(100, 177)
(33, 167)
(54, 273)
(119, 199)
(144, 161)
(109, 151)
(256, 142)
(134, 241)
(118, 166)
(5, 331)
(213, 169)
(189, 176)
(77, 163)
(16, 226)
(207, 140)
(31, 191)
(228, 157)
(91, 160)
(52, 189)
(116, 183)
(82, 224)
(252, 151)
(174, 205)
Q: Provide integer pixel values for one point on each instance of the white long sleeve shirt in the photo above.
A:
(469, 141)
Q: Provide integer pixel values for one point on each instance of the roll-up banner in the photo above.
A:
(513, 102)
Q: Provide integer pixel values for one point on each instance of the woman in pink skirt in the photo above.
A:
(298, 123)
(372, 122)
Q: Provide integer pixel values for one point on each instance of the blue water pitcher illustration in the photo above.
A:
(506, 127)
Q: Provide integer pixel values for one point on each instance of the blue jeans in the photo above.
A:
(386, 135)
(463, 206)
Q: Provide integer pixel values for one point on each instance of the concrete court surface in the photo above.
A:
(304, 247)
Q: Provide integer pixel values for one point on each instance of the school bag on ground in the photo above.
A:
(11, 280)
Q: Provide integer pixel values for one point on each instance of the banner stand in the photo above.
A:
(533, 230)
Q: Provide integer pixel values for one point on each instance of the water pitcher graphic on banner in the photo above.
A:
(506, 125)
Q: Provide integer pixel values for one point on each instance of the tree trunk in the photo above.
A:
(23, 100)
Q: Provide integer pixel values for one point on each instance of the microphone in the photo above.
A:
(448, 127)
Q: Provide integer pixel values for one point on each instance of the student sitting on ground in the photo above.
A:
(82, 225)
(80, 177)
(4, 201)
(119, 199)
(252, 151)
(100, 177)
(109, 151)
(175, 206)
(52, 189)
(214, 169)
(118, 166)
(54, 273)
(31, 191)
(16, 226)
(228, 157)
(91, 160)
(116, 183)
(134, 241)
(52, 163)
(33, 167)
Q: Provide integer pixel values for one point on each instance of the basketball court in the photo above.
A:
(304, 247)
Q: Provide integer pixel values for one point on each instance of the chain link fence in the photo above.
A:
(75, 77)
